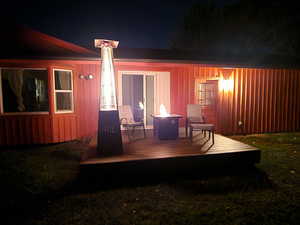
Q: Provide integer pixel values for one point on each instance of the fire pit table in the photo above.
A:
(166, 126)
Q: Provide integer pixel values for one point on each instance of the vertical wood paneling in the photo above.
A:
(256, 102)
(294, 100)
(265, 100)
(268, 108)
(237, 92)
(287, 102)
(88, 99)
(272, 102)
(24, 129)
(65, 127)
(280, 99)
(298, 105)
(262, 100)
(247, 96)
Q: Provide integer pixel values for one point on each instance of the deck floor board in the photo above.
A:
(152, 148)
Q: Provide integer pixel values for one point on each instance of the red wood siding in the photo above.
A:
(25, 129)
(52, 127)
(87, 94)
(182, 90)
(64, 127)
(265, 100)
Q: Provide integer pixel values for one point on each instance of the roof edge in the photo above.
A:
(227, 64)
(62, 43)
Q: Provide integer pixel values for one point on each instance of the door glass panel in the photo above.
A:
(149, 99)
(133, 93)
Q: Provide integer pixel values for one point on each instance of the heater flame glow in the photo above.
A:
(162, 110)
(108, 99)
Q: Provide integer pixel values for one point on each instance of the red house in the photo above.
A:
(49, 89)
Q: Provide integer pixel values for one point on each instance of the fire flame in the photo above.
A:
(141, 105)
(163, 111)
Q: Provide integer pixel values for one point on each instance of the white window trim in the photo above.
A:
(20, 113)
(63, 91)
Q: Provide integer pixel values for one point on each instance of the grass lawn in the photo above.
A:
(40, 186)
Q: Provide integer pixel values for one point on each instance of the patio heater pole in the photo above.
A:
(109, 133)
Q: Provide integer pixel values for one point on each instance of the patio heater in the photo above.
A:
(109, 133)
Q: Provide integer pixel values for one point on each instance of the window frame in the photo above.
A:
(206, 101)
(22, 113)
(63, 91)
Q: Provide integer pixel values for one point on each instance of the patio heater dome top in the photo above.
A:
(99, 43)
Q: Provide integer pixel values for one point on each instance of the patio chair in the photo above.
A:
(194, 116)
(128, 122)
(203, 127)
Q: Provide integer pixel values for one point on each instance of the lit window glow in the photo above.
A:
(226, 85)
(162, 110)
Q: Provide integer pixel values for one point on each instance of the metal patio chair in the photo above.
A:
(203, 127)
(194, 116)
(128, 122)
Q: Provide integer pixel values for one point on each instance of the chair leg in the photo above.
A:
(128, 134)
(191, 134)
(186, 128)
(155, 127)
(133, 130)
(213, 137)
(144, 131)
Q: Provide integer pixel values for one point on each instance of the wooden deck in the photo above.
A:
(152, 153)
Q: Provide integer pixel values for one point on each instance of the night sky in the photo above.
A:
(136, 24)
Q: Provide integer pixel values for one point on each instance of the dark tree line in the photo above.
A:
(247, 28)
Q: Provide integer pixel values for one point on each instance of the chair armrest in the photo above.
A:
(190, 120)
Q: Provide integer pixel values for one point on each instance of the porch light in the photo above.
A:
(226, 85)
(226, 82)
(162, 111)
(87, 77)
(90, 77)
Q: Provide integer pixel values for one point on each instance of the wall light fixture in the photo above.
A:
(87, 77)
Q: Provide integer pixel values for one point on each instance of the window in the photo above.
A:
(24, 90)
(206, 93)
(63, 91)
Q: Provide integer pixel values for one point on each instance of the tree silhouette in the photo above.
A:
(247, 28)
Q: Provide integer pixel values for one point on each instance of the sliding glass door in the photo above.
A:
(138, 92)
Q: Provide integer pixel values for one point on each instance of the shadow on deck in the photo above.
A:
(150, 156)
